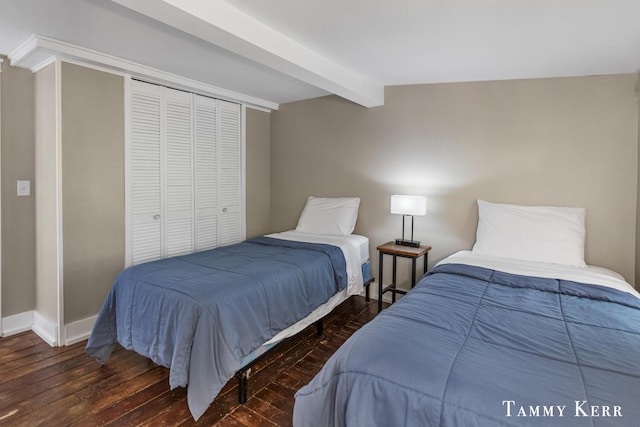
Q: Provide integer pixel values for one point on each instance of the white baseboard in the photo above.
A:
(33, 321)
(17, 323)
(387, 298)
(79, 330)
(45, 329)
(373, 293)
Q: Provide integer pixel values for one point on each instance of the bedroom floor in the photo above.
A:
(40, 385)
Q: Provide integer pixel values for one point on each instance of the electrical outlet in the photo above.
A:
(24, 188)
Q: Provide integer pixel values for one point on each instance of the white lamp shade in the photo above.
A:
(408, 205)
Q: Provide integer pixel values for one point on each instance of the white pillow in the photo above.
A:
(534, 233)
(329, 215)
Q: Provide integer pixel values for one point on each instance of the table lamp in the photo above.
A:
(408, 206)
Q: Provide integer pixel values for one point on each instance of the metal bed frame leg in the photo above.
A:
(242, 385)
(243, 374)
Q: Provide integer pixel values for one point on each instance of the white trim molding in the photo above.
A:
(39, 51)
(373, 293)
(243, 175)
(59, 212)
(79, 330)
(1, 326)
(128, 253)
(45, 329)
(17, 323)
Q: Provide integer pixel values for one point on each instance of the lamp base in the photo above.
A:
(411, 243)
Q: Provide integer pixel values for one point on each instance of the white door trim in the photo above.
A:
(1, 334)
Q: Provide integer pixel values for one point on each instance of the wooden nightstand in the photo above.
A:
(390, 248)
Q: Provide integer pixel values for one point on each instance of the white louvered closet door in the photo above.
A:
(185, 173)
(145, 172)
(229, 224)
(178, 173)
(206, 171)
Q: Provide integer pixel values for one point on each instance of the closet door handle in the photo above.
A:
(156, 217)
(224, 209)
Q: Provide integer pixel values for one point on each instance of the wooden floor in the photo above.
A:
(40, 385)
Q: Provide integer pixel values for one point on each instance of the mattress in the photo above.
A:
(590, 274)
(356, 251)
(359, 243)
(316, 315)
(200, 314)
(475, 345)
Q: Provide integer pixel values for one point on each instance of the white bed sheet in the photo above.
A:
(590, 274)
(360, 242)
(356, 252)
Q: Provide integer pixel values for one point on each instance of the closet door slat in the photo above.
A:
(146, 187)
(178, 172)
(206, 172)
(229, 225)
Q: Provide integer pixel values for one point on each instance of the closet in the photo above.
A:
(184, 172)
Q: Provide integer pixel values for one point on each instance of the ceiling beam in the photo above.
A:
(225, 26)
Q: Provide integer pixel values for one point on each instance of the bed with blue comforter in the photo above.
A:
(472, 346)
(200, 314)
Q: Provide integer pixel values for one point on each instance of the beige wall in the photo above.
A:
(565, 141)
(93, 187)
(18, 213)
(258, 190)
(638, 197)
(45, 194)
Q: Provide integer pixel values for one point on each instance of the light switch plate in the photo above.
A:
(24, 188)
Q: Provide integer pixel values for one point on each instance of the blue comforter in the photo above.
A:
(470, 346)
(200, 314)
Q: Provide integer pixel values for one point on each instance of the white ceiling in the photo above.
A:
(287, 50)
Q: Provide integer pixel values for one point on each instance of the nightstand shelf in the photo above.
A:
(390, 248)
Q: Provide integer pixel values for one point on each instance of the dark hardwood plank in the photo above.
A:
(112, 402)
(231, 421)
(40, 385)
(39, 393)
(275, 399)
(269, 411)
(57, 360)
(250, 418)
(20, 342)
